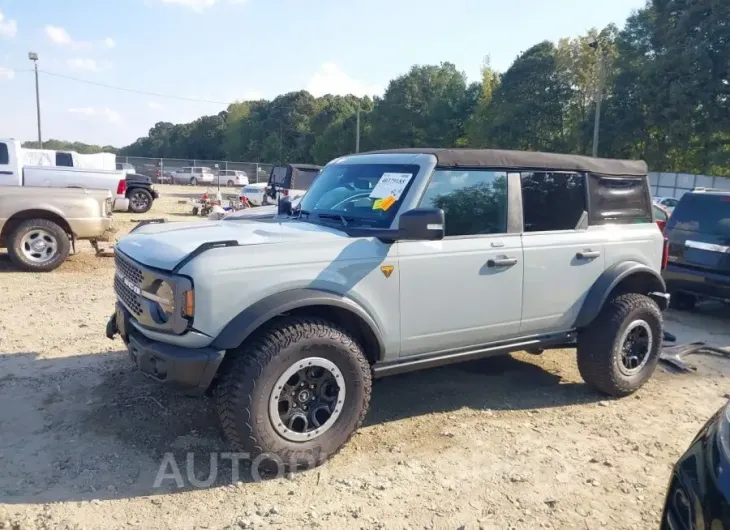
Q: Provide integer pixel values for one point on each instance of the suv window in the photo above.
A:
(186, 170)
(304, 179)
(119, 167)
(198, 170)
(702, 213)
(4, 154)
(670, 202)
(64, 160)
(278, 175)
(474, 201)
(619, 200)
(552, 200)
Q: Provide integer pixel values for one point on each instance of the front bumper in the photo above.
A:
(706, 284)
(190, 370)
(697, 497)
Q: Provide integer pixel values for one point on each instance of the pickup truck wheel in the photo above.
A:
(295, 395)
(619, 350)
(193, 181)
(140, 200)
(38, 245)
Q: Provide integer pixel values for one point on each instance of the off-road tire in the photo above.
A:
(140, 192)
(249, 377)
(21, 261)
(599, 348)
(683, 301)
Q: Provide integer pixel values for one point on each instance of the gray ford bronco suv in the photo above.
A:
(395, 261)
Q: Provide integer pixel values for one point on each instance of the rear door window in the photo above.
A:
(702, 213)
(64, 160)
(4, 154)
(552, 200)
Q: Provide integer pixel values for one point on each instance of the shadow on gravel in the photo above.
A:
(92, 427)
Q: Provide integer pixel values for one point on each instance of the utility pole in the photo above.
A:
(357, 133)
(599, 93)
(34, 57)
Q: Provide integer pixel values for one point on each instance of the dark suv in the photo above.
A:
(699, 248)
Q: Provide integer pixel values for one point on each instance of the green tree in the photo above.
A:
(428, 106)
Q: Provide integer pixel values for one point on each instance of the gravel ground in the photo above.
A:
(511, 442)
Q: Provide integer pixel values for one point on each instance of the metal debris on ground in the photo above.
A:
(672, 355)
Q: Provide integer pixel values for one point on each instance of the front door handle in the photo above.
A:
(6, 172)
(588, 254)
(501, 262)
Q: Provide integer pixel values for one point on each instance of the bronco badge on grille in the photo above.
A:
(131, 286)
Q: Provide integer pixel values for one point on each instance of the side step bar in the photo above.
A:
(401, 366)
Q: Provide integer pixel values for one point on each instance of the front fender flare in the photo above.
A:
(607, 282)
(256, 315)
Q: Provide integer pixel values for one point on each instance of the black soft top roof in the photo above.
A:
(498, 158)
(305, 167)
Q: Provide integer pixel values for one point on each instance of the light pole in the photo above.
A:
(357, 132)
(599, 92)
(34, 57)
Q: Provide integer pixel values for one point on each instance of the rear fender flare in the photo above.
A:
(610, 279)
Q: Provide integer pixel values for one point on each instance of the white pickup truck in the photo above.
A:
(13, 172)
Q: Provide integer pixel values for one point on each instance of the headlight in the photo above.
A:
(723, 431)
(164, 298)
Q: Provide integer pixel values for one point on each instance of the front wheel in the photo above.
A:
(140, 200)
(296, 394)
(619, 350)
(38, 245)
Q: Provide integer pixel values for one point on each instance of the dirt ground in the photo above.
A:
(511, 442)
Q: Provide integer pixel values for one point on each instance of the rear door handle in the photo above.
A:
(588, 254)
(6, 172)
(501, 262)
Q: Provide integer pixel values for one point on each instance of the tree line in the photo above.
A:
(666, 100)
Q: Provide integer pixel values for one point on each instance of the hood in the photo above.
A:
(164, 245)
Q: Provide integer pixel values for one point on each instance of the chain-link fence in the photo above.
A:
(161, 170)
(677, 184)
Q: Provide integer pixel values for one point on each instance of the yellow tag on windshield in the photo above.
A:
(384, 204)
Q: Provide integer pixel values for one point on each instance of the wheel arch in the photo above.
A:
(623, 277)
(18, 217)
(305, 302)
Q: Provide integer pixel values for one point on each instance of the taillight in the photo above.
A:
(122, 187)
(285, 193)
(662, 225)
(665, 254)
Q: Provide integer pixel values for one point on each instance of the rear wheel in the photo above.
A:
(230, 183)
(619, 350)
(295, 395)
(193, 181)
(140, 200)
(38, 245)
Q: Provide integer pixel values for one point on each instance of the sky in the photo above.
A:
(221, 51)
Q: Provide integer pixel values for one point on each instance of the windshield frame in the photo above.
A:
(347, 219)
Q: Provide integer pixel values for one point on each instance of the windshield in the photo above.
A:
(278, 175)
(702, 213)
(359, 192)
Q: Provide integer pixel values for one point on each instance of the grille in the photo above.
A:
(131, 299)
(131, 272)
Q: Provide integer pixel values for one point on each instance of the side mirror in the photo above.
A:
(422, 224)
(284, 206)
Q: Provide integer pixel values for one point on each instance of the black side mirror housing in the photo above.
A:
(422, 224)
(284, 206)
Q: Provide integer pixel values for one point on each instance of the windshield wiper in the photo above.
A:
(334, 216)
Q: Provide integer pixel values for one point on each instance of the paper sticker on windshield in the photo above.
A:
(391, 184)
(384, 204)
